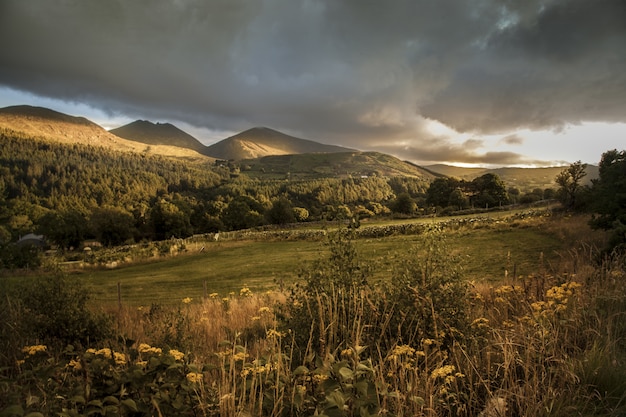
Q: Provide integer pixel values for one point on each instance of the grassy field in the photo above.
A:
(487, 254)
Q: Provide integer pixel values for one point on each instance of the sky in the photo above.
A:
(463, 82)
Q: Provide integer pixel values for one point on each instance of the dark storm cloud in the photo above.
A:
(357, 72)
(564, 64)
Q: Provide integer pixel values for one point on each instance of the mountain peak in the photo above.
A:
(150, 133)
(44, 113)
(263, 141)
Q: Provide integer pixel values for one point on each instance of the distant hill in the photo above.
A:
(525, 179)
(262, 141)
(43, 123)
(338, 164)
(159, 134)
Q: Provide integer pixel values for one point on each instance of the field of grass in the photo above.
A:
(487, 254)
(549, 343)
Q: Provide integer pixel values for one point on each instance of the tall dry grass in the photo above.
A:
(550, 343)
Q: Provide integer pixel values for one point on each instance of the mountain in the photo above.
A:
(262, 141)
(525, 179)
(47, 124)
(159, 134)
(353, 164)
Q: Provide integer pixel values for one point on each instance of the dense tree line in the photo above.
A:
(71, 193)
(482, 192)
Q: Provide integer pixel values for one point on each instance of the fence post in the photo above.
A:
(119, 295)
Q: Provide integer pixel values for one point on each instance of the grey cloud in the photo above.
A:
(359, 72)
(512, 140)
(563, 67)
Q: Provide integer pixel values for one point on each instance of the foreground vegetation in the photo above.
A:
(423, 341)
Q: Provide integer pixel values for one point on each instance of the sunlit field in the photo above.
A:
(520, 315)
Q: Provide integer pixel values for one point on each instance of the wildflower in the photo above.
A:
(20, 362)
(255, 318)
(265, 310)
(146, 348)
(178, 355)
(245, 292)
(187, 300)
(75, 365)
(194, 377)
(346, 352)
(271, 333)
(442, 372)
(428, 342)
(213, 295)
(319, 378)
(120, 358)
(91, 351)
(33, 350)
(240, 356)
(402, 350)
(106, 352)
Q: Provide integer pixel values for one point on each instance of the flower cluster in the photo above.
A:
(557, 299)
(33, 350)
(146, 348)
(118, 357)
(245, 292)
(194, 377)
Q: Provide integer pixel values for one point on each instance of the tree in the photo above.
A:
(438, 194)
(169, 221)
(404, 204)
(240, 215)
(570, 185)
(112, 226)
(281, 212)
(458, 199)
(488, 191)
(65, 228)
(609, 197)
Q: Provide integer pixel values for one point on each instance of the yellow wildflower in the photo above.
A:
(187, 300)
(146, 348)
(274, 333)
(442, 372)
(213, 295)
(428, 342)
(245, 292)
(240, 356)
(106, 352)
(33, 350)
(178, 355)
(265, 310)
(120, 358)
(75, 364)
(194, 377)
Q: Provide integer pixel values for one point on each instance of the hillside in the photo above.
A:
(62, 128)
(159, 134)
(338, 165)
(525, 179)
(262, 141)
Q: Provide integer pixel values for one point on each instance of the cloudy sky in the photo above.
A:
(488, 82)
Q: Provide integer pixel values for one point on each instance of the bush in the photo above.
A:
(53, 309)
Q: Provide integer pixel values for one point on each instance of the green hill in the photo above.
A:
(337, 165)
(525, 179)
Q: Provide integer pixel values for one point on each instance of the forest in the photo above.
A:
(73, 193)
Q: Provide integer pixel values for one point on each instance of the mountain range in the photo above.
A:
(265, 151)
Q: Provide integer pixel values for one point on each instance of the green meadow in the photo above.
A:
(487, 254)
